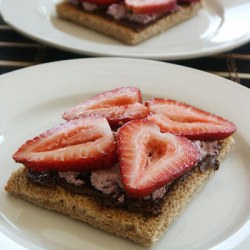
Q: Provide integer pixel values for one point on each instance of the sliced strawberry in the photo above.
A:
(117, 106)
(118, 115)
(78, 145)
(102, 2)
(186, 120)
(150, 159)
(150, 6)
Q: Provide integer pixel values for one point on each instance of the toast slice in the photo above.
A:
(131, 225)
(119, 30)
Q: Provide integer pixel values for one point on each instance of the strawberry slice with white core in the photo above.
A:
(117, 106)
(150, 159)
(150, 6)
(118, 115)
(101, 2)
(79, 145)
(185, 120)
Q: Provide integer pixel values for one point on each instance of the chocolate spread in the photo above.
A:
(135, 26)
(149, 206)
(118, 199)
(105, 186)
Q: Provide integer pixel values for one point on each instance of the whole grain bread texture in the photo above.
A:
(123, 33)
(134, 226)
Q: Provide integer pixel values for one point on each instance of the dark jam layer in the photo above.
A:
(136, 26)
(117, 199)
(148, 207)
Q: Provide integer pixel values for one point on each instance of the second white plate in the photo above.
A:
(219, 26)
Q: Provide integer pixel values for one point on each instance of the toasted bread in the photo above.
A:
(120, 31)
(131, 225)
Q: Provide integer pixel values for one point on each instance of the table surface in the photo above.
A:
(17, 51)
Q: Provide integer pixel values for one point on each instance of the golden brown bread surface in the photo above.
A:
(125, 34)
(134, 226)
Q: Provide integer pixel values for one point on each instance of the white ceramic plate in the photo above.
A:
(221, 25)
(33, 99)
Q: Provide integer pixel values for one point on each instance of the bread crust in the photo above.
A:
(134, 226)
(123, 33)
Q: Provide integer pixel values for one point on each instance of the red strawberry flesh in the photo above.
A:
(109, 103)
(150, 6)
(185, 120)
(78, 145)
(102, 2)
(150, 159)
